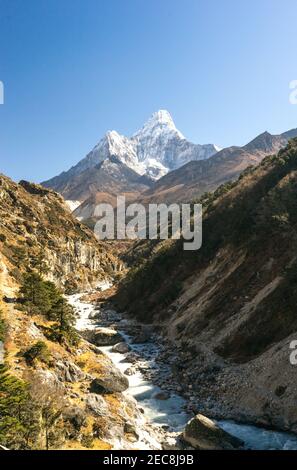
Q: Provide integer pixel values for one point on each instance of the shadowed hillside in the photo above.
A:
(232, 304)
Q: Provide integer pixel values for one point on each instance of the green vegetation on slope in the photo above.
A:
(43, 297)
(17, 417)
(2, 328)
(255, 218)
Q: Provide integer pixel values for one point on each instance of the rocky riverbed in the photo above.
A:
(166, 402)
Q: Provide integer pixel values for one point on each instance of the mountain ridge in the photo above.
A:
(148, 151)
(197, 177)
(230, 306)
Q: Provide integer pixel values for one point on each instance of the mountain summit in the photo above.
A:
(157, 148)
(160, 122)
(161, 147)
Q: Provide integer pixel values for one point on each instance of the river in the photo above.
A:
(170, 413)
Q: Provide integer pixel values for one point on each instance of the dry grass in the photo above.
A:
(91, 364)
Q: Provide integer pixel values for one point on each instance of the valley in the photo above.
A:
(148, 233)
(152, 383)
(200, 356)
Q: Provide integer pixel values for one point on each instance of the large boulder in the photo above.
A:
(110, 381)
(203, 433)
(121, 348)
(106, 337)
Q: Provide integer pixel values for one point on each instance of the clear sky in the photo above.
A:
(73, 69)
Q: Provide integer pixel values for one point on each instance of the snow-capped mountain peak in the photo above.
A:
(160, 141)
(157, 148)
(160, 122)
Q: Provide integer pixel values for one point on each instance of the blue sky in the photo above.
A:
(73, 69)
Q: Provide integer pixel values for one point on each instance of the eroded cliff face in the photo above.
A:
(37, 230)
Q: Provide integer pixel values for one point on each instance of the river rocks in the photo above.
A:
(162, 396)
(143, 336)
(121, 348)
(103, 336)
(172, 441)
(132, 357)
(203, 433)
(95, 315)
(112, 380)
(97, 404)
(130, 371)
(112, 315)
(131, 433)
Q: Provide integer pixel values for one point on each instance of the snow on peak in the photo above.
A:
(160, 121)
(158, 147)
(163, 117)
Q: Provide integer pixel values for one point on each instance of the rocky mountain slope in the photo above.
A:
(49, 375)
(38, 229)
(58, 390)
(197, 177)
(158, 147)
(229, 308)
(52, 385)
(102, 184)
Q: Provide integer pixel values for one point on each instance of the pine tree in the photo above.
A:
(18, 421)
(43, 297)
(35, 293)
(63, 314)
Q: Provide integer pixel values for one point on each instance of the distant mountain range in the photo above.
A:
(197, 177)
(157, 164)
(156, 149)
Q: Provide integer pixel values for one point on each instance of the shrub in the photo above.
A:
(39, 351)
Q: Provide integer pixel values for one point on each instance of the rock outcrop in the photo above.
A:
(203, 433)
(37, 230)
(102, 336)
(121, 348)
(110, 381)
(97, 404)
